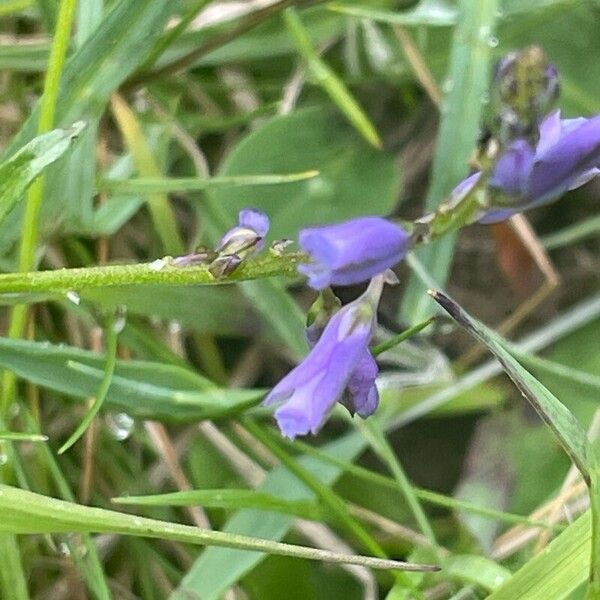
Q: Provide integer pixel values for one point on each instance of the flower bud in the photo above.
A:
(351, 252)
(525, 87)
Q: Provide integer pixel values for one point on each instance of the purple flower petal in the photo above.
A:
(512, 170)
(256, 220)
(361, 395)
(566, 157)
(351, 252)
(339, 360)
(247, 237)
(557, 167)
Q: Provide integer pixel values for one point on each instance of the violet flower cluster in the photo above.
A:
(566, 156)
(545, 158)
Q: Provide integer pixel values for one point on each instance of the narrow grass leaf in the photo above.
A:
(30, 513)
(228, 498)
(567, 429)
(326, 78)
(557, 571)
(12, 577)
(163, 217)
(18, 172)
(466, 86)
(111, 333)
(146, 185)
(19, 436)
(143, 389)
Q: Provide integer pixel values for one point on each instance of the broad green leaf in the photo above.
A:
(223, 312)
(142, 389)
(29, 513)
(18, 172)
(567, 429)
(354, 179)
(466, 87)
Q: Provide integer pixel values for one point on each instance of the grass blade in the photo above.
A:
(111, 335)
(567, 429)
(144, 185)
(19, 171)
(326, 78)
(466, 86)
(26, 512)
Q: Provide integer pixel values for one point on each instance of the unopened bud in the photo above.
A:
(526, 86)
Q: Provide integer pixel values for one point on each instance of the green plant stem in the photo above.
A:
(58, 52)
(401, 337)
(162, 271)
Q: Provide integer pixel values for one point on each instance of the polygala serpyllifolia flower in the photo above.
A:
(566, 156)
(352, 251)
(339, 368)
(248, 236)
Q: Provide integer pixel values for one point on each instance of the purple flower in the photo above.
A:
(339, 368)
(247, 237)
(566, 156)
(351, 252)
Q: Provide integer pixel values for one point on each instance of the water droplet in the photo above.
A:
(120, 425)
(484, 32)
(498, 579)
(493, 41)
(174, 327)
(73, 297)
(138, 522)
(158, 265)
(485, 97)
(3, 458)
(14, 410)
(64, 549)
(119, 324)
(320, 188)
(448, 86)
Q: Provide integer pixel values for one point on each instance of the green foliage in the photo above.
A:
(162, 121)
